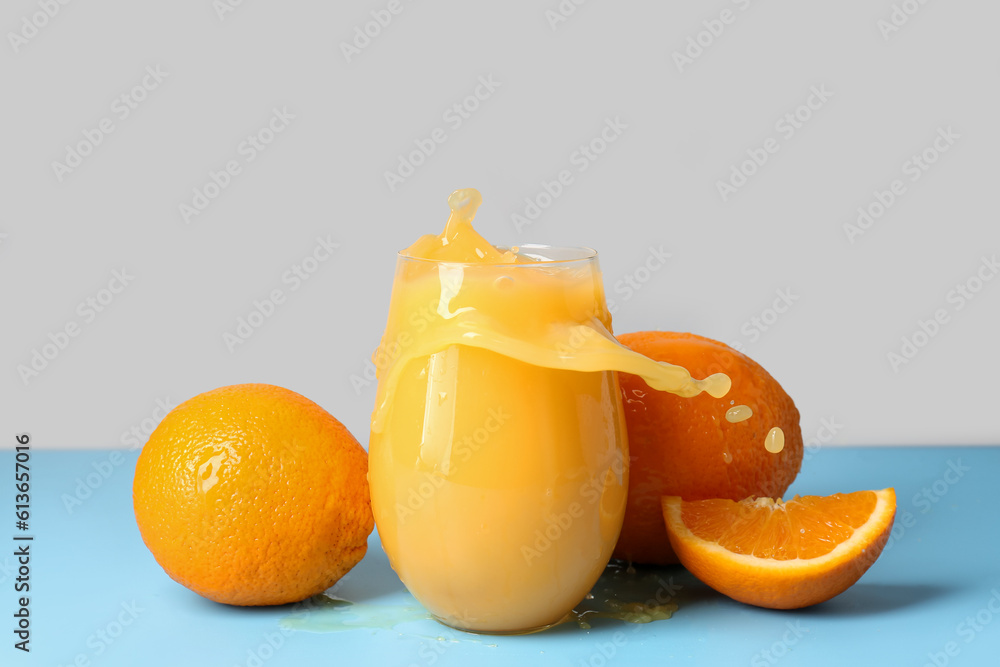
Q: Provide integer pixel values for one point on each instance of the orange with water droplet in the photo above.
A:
(686, 446)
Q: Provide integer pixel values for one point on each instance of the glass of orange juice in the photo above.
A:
(498, 453)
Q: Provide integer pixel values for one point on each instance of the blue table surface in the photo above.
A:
(99, 598)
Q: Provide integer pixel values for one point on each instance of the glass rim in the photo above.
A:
(583, 254)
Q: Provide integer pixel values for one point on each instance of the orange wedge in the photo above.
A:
(781, 554)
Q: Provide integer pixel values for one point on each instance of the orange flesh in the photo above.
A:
(799, 528)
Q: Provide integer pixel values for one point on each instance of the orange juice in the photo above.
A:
(498, 455)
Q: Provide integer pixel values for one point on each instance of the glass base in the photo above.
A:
(526, 631)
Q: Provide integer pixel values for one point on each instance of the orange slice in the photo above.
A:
(781, 554)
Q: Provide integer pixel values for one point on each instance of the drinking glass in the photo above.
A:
(498, 471)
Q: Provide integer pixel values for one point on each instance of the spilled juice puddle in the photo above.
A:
(328, 614)
(621, 594)
(624, 594)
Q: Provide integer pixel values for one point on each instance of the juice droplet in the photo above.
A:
(775, 440)
(727, 456)
(738, 413)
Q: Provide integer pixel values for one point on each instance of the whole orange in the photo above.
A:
(685, 446)
(253, 495)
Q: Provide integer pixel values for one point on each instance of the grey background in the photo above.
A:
(160, 340)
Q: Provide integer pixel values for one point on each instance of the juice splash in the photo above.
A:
(584, 344)
(459, 242)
